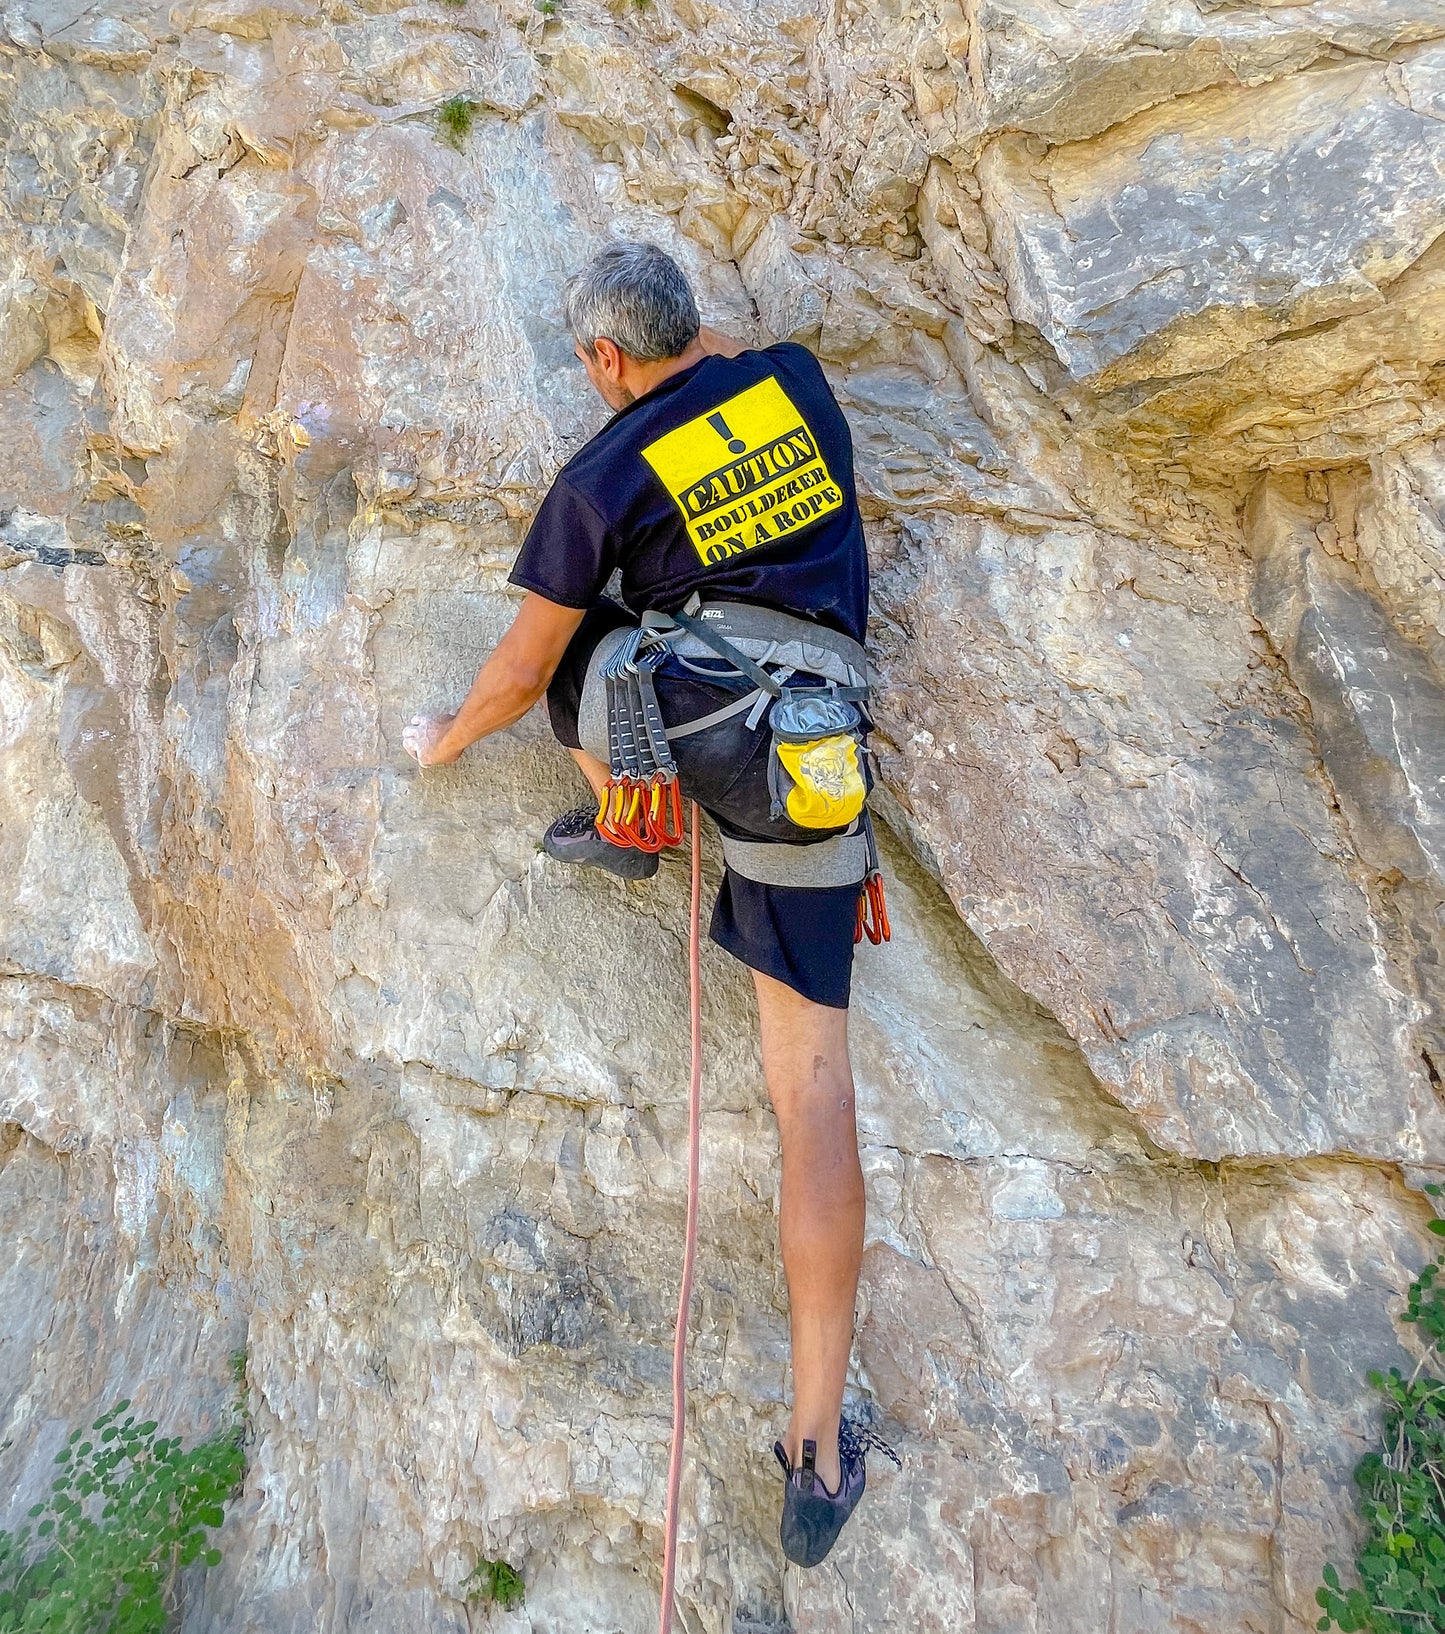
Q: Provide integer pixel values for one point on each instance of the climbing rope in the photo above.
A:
(689, 1252)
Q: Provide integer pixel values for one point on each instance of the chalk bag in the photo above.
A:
(815, 767)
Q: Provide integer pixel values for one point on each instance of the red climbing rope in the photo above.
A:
(689, 1252)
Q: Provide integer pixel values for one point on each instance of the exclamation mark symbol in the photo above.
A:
(735, 444)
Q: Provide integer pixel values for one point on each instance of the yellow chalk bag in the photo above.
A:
(815, 770)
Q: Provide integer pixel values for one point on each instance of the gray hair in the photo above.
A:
(636, 296)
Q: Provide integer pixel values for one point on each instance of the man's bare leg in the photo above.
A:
(810, 1082)
(592, 769)
(820, 1224)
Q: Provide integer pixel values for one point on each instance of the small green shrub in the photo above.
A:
(454, 119)
(1402, 1491)
(498, 1583)
(548, 8)
(126, 1512)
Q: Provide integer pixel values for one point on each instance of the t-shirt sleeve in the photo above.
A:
(569, 552)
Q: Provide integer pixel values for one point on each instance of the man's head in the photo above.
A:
(632, 314)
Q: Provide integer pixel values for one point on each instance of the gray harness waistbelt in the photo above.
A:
(767, 636)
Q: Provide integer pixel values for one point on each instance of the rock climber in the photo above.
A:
(723, 482)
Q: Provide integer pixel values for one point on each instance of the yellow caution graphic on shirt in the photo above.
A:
(745, 474)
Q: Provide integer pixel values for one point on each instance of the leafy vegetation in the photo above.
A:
(498, 1583)
(126, 1512)
(1402, 1491)
(454, 119)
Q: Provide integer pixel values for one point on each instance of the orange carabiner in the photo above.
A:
(637, 824)
(873, 912)
(666, 813)
(609, 809)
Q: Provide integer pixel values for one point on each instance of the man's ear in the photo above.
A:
(609, 357)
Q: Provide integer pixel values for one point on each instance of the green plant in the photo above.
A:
(126, 1512)
(497, 1582)
(454, 119)
(548, 8)
(1402, 1490)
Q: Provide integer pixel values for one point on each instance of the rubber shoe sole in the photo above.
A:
(588, 849)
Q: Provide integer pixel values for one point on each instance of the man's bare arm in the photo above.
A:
(515, 676)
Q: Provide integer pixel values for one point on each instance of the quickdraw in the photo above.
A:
(873, 912)
(872, 904)
(641, 802)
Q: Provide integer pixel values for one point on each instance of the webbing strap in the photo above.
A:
(843, 860)
(725, 649)
(653, 732)
(718, 716)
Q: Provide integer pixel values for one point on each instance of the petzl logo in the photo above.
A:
(745, 474)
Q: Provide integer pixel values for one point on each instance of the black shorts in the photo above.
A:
(800, 935)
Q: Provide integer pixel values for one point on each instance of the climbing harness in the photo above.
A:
(816, 775)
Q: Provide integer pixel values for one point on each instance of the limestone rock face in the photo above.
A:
(1138, 313)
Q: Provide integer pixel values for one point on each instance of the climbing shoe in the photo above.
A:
(574, 838)
(812, 1516)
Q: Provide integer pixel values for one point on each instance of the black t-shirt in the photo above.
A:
(733, 477)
